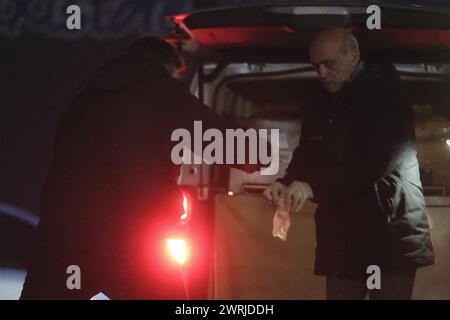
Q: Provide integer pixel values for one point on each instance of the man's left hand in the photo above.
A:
(296, 194)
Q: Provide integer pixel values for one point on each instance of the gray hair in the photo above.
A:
(349, 43)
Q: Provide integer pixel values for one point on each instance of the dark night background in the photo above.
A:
(44, 65)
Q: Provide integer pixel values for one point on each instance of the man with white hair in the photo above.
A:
(357, 160)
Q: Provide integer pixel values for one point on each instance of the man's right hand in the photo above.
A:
(274, 191)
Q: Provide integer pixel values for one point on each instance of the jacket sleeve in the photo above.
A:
(192, 109)
(301, 165)
(390, 138)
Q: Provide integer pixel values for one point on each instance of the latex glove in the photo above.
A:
(296, 194)
(274, 191)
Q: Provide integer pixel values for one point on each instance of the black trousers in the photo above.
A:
(395, 285)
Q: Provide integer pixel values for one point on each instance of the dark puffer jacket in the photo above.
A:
(358, 153)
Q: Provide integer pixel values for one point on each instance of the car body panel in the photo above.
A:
(283, 32)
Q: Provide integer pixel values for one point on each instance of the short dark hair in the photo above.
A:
(154, 48)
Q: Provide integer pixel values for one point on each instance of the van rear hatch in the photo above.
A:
(283, 33)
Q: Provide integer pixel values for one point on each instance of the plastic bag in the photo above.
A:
(281, 222)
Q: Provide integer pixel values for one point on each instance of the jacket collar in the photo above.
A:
(345, 94)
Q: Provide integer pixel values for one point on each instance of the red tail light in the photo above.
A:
(186, 208)
(176, 240)
(178, 249)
